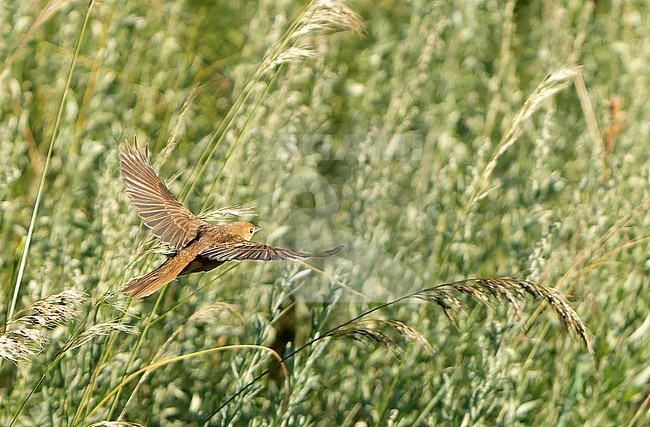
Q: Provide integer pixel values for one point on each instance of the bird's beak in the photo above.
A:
(257, 228)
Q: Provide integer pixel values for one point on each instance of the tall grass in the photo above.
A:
(438, 141)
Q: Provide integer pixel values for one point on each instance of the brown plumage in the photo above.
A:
(198, 246)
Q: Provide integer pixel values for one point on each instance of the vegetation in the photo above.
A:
(439, 141)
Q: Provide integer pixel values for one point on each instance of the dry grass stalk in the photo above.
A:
(115, 424)
(207, 314)
(50, 8)
(615, 121)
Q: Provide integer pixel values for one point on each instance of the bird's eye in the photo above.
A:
(251, 230)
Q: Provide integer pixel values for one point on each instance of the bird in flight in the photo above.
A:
(197, 245)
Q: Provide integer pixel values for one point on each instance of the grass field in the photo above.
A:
(439, 141)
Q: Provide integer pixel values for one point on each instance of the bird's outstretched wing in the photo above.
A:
(167, 218)
(241, 249)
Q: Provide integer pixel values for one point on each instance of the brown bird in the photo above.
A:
(198, 246)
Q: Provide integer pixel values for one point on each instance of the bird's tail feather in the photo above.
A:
(151, 282)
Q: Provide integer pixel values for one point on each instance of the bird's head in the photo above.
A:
(245, 230)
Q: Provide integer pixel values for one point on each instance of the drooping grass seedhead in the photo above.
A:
(54, 310)
(99, 330)
(484, 290)
(369, 330)
(303, 50)
(17, 346)
(24, 337)
(362, 334)
(546, 89)
(328, 15)
(504, 290)
(507, 290)
(320, 17)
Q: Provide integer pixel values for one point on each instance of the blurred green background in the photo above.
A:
(401, 140)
